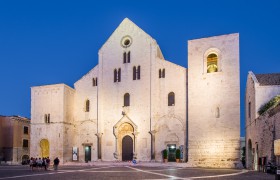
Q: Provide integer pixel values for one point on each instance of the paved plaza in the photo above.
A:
(128, 171)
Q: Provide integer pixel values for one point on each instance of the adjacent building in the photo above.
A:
(134, 104)
(14, 139)
(262, 124)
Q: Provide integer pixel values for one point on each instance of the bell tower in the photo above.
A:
(214, 101)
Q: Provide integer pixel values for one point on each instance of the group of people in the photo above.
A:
(41, 163)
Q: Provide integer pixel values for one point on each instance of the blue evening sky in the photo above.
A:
(48, 42)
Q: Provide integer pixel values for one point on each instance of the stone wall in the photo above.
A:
(56, 100)
(262, 133)
(256, 125)
(214, 102)
(12, 136)
(211, 100)
(148, 96)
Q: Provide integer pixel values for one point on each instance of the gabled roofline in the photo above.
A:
(96, 66)
(250, 73)
(123, 21)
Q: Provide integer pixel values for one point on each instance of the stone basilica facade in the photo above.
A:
(133, 104)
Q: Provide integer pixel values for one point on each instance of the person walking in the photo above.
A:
(55, 163)
(47, 163)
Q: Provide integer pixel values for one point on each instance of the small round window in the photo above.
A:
(126, 41)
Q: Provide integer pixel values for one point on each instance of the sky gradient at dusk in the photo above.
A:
(49, 42)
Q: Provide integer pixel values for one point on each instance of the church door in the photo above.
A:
(127, 148)
(171, 152)
(87, 153)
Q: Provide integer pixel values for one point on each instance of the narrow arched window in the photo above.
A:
(159, 73)
(126, 99)
(171, 99)
(134, 73)
(119, 75)
(115, 75)
(212, 63)
(46, 118)
(163, 73)
(128, 57)
(217, 113)
(96, 82)
(138, 72)
(49, 118)
(87, 106)
(249, 109)
(93, 82)
(124, 57)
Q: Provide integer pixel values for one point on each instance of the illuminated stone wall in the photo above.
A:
(56, 100)
(148, 110)
(257, 131)
(262, 132)
(214, 102)
(86, 122)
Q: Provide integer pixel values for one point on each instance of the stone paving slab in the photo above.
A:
(114, 163)
(128, 172)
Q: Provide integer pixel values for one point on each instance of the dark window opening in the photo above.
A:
(124, 57)
(171, 99)
(87, 106)
(138, 72)
(161, 73)
(119, 75)
(115, 75)
(249, 110)
(134, 73)
(127, 42)
(128, 57)
(47, 118)
(126, 100)
(94, 81)
(25, 143)
(25, 130)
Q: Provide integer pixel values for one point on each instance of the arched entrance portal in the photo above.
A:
(125, 132)
(45, 148)
(127, 148)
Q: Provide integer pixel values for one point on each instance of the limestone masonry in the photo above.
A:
(134, 104)
(261, 129)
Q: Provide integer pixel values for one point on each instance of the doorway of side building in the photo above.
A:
(171, 152)
(127, 148)
(249, 154)
(45, 148)
(25, 159)
(87, 153)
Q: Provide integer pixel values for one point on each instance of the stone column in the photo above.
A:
(116, 154)
(153, 133)
(99, 143)
(135, 145)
